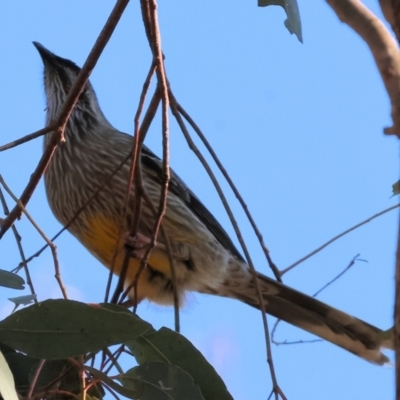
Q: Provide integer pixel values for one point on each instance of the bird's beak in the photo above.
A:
(47, 55)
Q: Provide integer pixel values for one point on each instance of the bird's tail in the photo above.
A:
(312, 315)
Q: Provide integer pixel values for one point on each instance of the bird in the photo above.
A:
(205, 258)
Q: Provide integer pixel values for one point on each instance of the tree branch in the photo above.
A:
(65, 113)
(383, 48)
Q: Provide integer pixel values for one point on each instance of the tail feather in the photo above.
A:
(310, 314)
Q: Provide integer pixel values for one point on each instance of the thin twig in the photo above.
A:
(52, 246)
(163, 84)
(317, 250)
(150, 20)
(35, 378)
(113, 359)
(52, 383)
(20, 249)
(30, 187)
(253, 271)
(109, 381)
(83, 379)
(144, 128)
(352, 262)
(234, 189)
(91, 383)
(138, 139)
(144, 261)
(29, 137)
(151, 111)
(78, 212)
(277, 392)
(286, 341)
(135, 155)
(139, 187)
(65, 112)
(112, 392)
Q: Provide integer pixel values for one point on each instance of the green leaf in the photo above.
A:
(11, 280)
(293, 21)
(130, 393)
(161, 381)
(170, 347)
(58, 329)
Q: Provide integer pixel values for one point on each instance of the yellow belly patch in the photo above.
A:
(100, 238)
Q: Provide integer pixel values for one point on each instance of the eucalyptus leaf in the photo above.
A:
(10, 280)
(58, 329)
(161, 381)
(129, 393)
(170, 347)
(293, 21)
(23, 300)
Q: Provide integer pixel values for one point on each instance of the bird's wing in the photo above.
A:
(179, 188)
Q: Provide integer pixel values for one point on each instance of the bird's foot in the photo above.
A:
(139, 244)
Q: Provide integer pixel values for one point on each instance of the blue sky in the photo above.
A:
(298, 127)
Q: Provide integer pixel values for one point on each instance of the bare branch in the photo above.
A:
(134, 169)
(149, 14)
(193, 147)
(52, 246)
(317, 250)
(234, 189)
(391, 11)
(65, 112)
(19, 245)
(29, 137)
(352, 262)
(383, 48)
(35, 377)
(164, 89)
(151, 111)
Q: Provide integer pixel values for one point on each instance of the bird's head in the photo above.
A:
(59, 76)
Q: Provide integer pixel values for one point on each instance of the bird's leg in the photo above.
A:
(138, 244)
